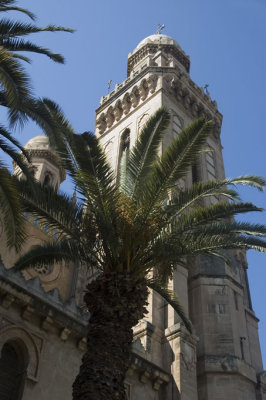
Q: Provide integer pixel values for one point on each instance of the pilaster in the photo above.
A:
(180, 346)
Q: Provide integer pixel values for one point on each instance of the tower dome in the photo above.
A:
(146, 54)
(38, 142)
(158, 38)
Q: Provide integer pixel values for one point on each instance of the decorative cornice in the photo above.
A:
(131, 93)
(216, 276)
(32, 299)
(225, 363)
(152, 48)
(192, 97)
(124, 105)
(148, 372)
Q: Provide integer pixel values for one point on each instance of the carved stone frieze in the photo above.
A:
(130, 100)
(110, 117)
(118, 110)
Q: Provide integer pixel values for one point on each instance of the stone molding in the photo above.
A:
(179, 330)
(144, 333)
(132, 92)
(225, 363)
(261, 387)
(151, 49)
(192, 97)
(130, 100)
(46, 307)
(147, 372)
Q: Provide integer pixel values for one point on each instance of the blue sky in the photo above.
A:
(226, 41)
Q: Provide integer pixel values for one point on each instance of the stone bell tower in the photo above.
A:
(45, 163)
(222, 360)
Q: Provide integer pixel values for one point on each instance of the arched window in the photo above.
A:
(13, 366)
(177, 125)
(124, 146)
(125, 141)
(210, 163)
(48, 179)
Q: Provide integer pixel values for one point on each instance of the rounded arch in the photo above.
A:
(13, 367)
(142, 121)
(124, 145)
(25, 348)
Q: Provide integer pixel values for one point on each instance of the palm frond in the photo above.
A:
(14, 80)
(171, 297)
(9, 5)
(200, 216)
(200, 190)
(11, 209)
(223, 228)
(4, 133)
(174, 163)
(124, 180)
(13, 44)
(199, 244)
(54, 211)
(145, 151)
(9, 29)
(53, 252)
(20, 57)
(17, 158)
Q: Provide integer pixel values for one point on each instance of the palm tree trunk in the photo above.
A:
(116, 303)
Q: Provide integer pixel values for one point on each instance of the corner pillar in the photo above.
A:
(181, 348)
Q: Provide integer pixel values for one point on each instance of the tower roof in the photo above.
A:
(149, 46)
(40, 142)
(158, 38)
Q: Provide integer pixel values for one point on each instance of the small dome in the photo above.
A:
(38, 142)
(158, 38)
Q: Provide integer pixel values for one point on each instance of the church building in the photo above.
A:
(43, 319)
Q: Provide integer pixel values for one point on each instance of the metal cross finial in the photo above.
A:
(160, 28)
(206, 88)
(109, 84)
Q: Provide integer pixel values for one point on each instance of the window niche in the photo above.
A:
(13, 368)
(176, 125)
(124, 146)
(210, 164)
(196, 172)
(48, 179)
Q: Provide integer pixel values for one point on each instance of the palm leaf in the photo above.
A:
(174, 163)
(14, 79)
(9, 29)
(200, 216)
(8, 5)
(191, 197)
(13, 44)
(11, 209)
(171, 297)
(145, 151)
(55, 211)
(53, 252)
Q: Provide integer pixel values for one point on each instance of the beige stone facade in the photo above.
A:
(43, 320)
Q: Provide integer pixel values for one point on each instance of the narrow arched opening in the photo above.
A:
(13, 368)
(124, 146)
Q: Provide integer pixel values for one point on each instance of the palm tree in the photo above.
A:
(16, 95)
(128, 233)
(15, 82)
